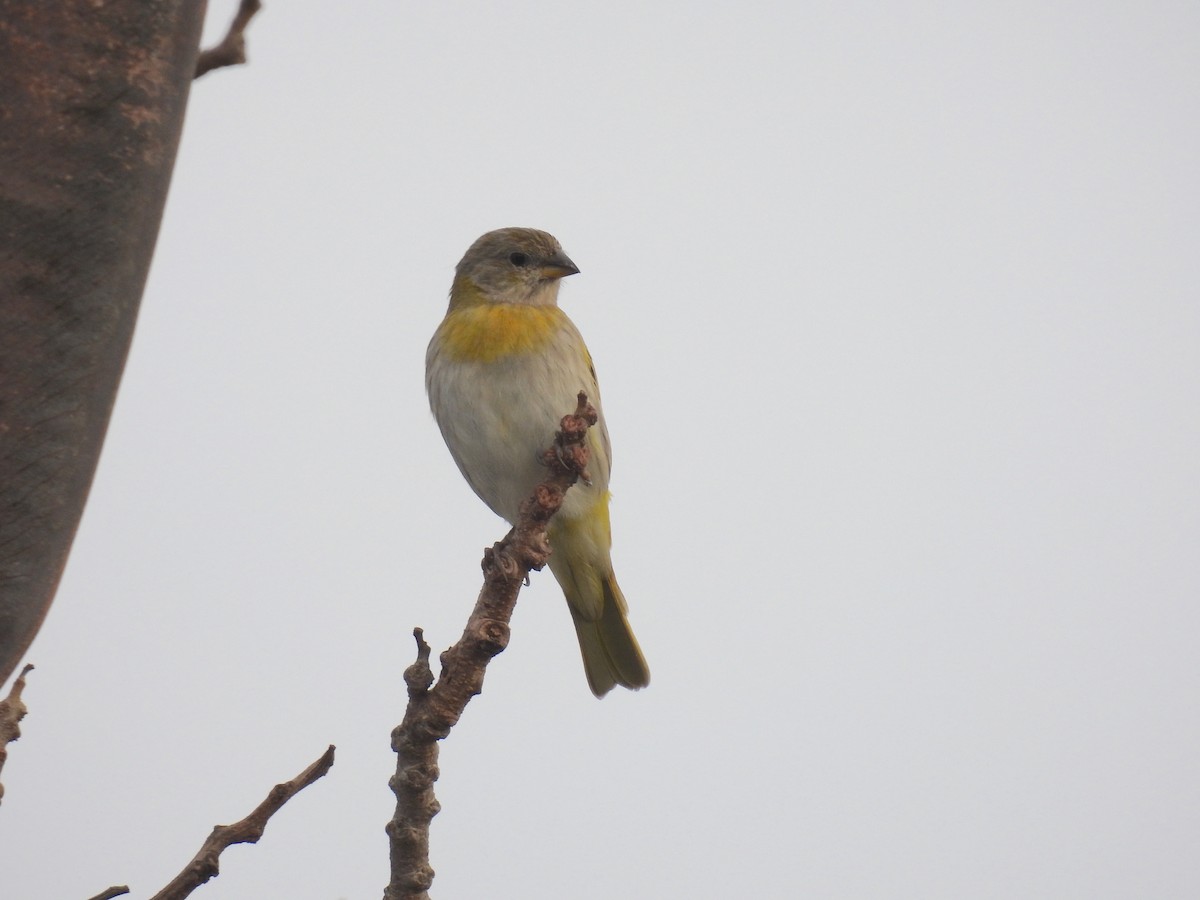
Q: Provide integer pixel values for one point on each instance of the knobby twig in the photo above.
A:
(433, 709)
(117, 890)
(231, 51)
(205, 863)
(12, 711)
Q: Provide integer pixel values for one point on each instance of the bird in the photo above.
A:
(502, 369)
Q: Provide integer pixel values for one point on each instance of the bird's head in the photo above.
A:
(511, 265)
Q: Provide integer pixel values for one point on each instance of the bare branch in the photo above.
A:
(231, 51)
(12, 711)
(433, 711)
(117, 890)
(205, 863)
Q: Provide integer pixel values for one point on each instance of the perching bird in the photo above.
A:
(502, 370)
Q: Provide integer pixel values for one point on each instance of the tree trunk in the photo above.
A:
(92, 97)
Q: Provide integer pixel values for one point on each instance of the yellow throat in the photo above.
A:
(491, 331)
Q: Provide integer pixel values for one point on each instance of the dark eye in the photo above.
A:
(518, 259)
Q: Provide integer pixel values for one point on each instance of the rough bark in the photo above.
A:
(91, 107)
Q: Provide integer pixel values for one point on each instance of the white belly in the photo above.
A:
(498, 417)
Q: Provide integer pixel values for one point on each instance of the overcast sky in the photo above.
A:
(895, 310)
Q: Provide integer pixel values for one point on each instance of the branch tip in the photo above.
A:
(12, 711)
(423, 650)
(419, 676)
(204, 864)
(231, 51)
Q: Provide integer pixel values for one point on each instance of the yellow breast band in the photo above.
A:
(493, 331)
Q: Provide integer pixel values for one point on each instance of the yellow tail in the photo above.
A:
(580, 562)
(611, 654)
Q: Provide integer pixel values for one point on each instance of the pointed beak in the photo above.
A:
(559, 266)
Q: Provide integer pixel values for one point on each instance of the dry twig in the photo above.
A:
(433, 709)
(231, 51)
(12, 711)
(117, 890)
(205, 863)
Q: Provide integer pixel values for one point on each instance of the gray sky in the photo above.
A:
(895, 311)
